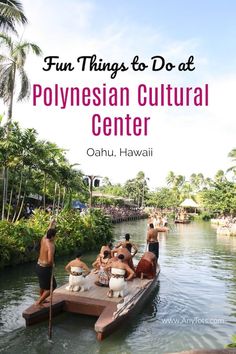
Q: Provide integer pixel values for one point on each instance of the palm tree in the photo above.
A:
(12, 65)
(11, 13)
(170, 179)
(220, 176)
(197, 181)
(232, 154)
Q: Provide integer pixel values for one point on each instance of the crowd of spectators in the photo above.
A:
(123, 213)
(224, 220)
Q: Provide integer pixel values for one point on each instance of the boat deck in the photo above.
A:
(93, 302)
(98, 292)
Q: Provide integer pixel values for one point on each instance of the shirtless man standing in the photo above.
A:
(152, 240)
(127, 244)
(45, 263)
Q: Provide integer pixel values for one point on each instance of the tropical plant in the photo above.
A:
(11, 13)
(220, 176)
(221, 198)
(11, 67)
(197, 181)
(12, 64)
(137, 188)
(233, 344)
(19, 242)
(35, 167)
(232, 155)
(162, 198)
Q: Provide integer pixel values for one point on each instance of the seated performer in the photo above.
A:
(152, 240)
(106, 247)
(78, 270)
(146, 267)
(100, 264)
(127, 256)
(117, 282)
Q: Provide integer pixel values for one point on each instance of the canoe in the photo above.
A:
(162, 229)
(182, 221)
(110, 312)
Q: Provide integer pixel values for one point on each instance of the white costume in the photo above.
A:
(76, 280)
(117, 282)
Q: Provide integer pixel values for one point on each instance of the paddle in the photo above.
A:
(50, 308)
(53, 221)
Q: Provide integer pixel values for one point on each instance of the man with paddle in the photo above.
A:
(44, 267)
(152, 240)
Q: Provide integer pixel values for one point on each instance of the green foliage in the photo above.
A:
(204, 215)
(35, 167)
(19, 242)
(233, 344)
(11, 14)
(221, 198)
(163, 198)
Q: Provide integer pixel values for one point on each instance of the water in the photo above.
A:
(193, 305)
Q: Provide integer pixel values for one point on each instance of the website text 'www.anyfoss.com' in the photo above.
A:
(192, 321)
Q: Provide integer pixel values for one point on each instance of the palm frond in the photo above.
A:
(25, 86)
(14, 3)
(12, 10)
(232, 168)
(6, 82)
(6, 40)
(6, 24)
(232, 153)
(13, 65)
(21, 50)
(28, 46)
(3, 58)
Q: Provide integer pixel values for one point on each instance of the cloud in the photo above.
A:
(184, 140)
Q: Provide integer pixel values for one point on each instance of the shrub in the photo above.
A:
(19, 242)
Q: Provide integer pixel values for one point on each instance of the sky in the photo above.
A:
(185, 140)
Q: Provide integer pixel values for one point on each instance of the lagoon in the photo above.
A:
(193, 305)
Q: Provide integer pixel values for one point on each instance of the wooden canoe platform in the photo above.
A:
(182, 221)
(95, 302)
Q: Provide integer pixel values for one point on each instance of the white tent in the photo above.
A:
(189, 203)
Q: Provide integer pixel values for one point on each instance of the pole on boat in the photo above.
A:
(54, 218)
(50, 308)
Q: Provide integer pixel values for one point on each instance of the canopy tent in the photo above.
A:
(76, 204)
(189, 203)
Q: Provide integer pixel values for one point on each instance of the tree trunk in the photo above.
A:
(8, 130)
(44, 191)
(63, 197)
(4, 193)
(9, 205)
(21, 206)
(18, 196)
(23, 199)
(54, 198)
(9, 111)
(59, 199)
